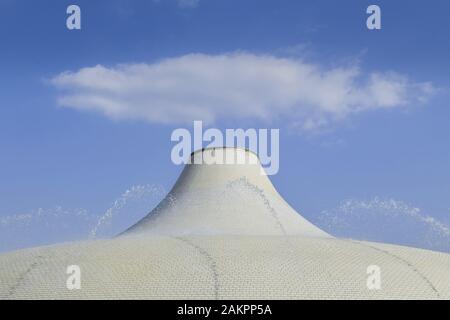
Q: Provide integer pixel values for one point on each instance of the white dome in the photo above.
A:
(224, 232)
(224, 199)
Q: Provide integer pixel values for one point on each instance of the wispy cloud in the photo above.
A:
(236, 86)
(183, 3)
(53, 225)
(188, 3)
(386, 220)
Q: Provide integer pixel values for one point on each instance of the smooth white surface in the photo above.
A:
(225, 199)
(224, 232)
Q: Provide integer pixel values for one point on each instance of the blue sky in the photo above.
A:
(52, 153)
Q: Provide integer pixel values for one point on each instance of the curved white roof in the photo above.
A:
(224, 232)
(232, 199)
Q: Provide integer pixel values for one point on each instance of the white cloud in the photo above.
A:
(235, 86)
